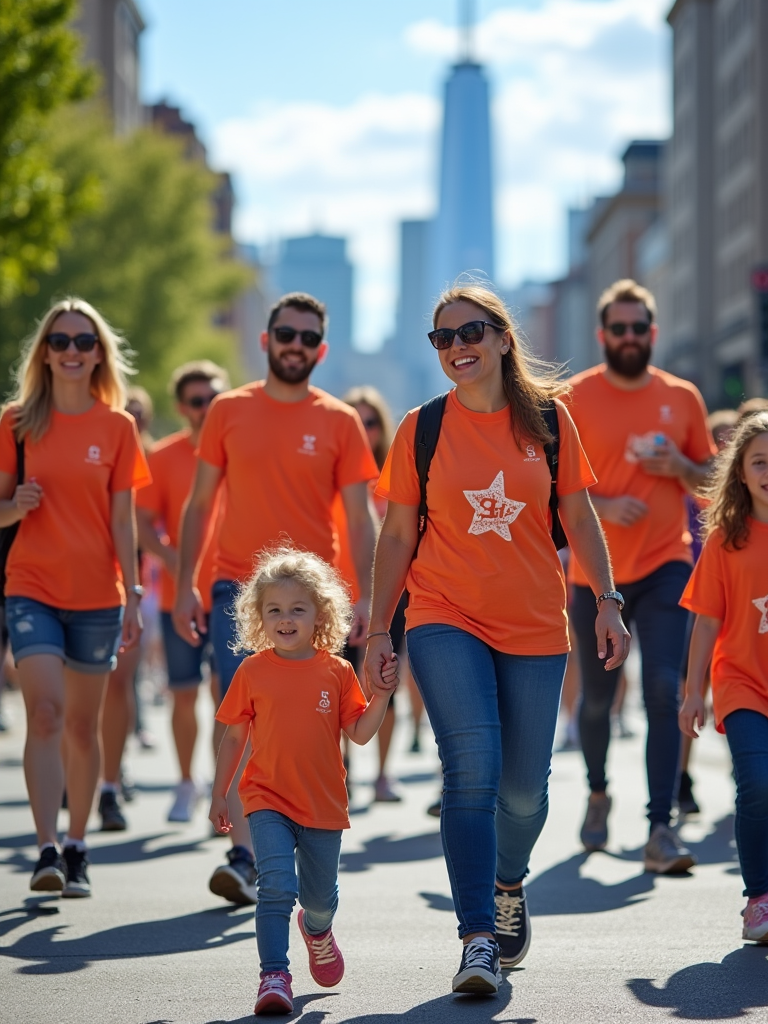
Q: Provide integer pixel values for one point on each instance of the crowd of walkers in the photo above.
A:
(316, 562)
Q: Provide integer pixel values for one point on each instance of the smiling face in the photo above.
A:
(472, 365)
(72, 366)
(754, 473)
(290, 616)
(292, 362)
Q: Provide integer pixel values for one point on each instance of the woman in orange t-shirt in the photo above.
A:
(486, 623)
(72, 566)
(728, 591)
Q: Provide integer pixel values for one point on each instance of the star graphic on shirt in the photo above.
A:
(761, 603)
(493, 509)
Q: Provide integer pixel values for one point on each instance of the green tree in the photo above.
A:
(146, 256)
(40, 72)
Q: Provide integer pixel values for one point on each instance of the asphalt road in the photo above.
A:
(610, 943)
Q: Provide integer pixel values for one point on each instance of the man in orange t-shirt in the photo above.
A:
(646, 437)
(158, 515)
(282, 451)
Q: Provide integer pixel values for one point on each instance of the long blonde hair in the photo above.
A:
(530, 383)
(367, 395)
(729, 501)
(33, 397)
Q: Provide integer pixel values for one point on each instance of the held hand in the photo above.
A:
(360, 623)
(219, 815)
(27, 497)
(189, 616)
(378, 657)
(624, 511)
(692, 712)
(666, 460)
(610, 630)
(132, 624)
(390, 678)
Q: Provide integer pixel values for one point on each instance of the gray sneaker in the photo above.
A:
(594, 831)
(665, 854)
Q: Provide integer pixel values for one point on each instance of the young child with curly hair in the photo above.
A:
(293, 697)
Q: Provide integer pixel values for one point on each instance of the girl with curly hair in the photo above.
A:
(728, 591)
(293, 696)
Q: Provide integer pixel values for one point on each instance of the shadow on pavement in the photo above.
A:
(299, 1003)
(386, 850)
(436, 901)
(52, 953)
(454, 1008)
(711, 991)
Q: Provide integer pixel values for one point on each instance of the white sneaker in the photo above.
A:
(184, 802)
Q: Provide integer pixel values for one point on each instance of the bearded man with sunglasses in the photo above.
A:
(281, 451)
(646, 436)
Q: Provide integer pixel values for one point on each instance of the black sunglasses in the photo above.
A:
(471, 333)
(200, 401)
(83, 342)
(639, 328)
(285, 335)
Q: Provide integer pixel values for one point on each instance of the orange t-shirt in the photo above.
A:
(733, 586)
(284, 463)
(297, 710)
(614, 426)
(63, 554)
(172, 463)
(486, 562)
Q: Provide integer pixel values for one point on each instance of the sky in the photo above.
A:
(328, 116)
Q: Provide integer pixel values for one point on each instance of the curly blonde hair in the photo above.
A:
(729, 502)
(323, 584)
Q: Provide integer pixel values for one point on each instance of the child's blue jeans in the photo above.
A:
(747, 733)
(292, 861)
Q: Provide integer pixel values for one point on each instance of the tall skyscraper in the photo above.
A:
(318, 264)
(111, 29)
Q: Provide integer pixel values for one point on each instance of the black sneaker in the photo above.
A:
(686, 801)
(513, 926)
(77, 884)
(112, 819)
(479, 972)
(48, 875)
(236, 880)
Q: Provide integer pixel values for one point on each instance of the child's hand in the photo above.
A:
(692, 712)
(389, 677)
(219, 815)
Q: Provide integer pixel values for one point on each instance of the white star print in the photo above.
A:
(493, 509)
(761, 603)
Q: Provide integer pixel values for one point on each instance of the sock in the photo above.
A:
(79, 844)
(110, 787)
(45, 846)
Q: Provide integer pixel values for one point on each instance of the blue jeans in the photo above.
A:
(747, 733)
(652, 606)
(86, 641)
(184, 661)
(221, 625)
(292, 861)
(494, 717)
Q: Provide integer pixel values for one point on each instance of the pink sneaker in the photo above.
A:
(326, 964)
(755, 916)
(275, 994)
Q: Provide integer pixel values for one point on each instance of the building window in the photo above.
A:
(737, 85)
(737, 147)
(737, 212)
(734, 20)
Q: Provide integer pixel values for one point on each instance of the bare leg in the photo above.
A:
(184, 726)
(83, 700)
(119, 713)
(42, 685)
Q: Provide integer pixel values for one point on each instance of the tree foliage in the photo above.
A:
(40, 72)
(146, 255)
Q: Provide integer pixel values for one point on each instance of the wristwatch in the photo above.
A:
(136, 589)
(611, 595)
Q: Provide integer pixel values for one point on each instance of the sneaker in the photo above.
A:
(686, 802)
(48, 875)
(479, 971)
(77, 884)
(594, 831)
(383, 792)
(275, 995)
(326, 964)
(112, 819)
(755, 916)
(665, 854)
(184, 801)
(513, 926)
(236, 880)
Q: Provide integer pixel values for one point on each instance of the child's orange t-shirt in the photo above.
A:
(486, 562)
(297, 710)
(733, 586)
(63, 554)
(284, 463)
(615, 426)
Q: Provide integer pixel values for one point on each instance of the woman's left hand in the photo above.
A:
(132, 624)
(613, 637)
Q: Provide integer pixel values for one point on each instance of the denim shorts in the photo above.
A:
(183, 661)
(86, 641)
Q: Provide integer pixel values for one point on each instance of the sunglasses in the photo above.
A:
(371, 424)
(83, 342)
(200, 401)
(285, 335)
(471, 334)
(639, 328)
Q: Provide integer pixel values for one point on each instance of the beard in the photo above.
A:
(290, 374)
(629, 359)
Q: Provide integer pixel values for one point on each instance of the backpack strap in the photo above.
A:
(428, 425)
(19, 461)
(552, 453)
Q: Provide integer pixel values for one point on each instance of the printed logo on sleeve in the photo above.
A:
(324, 704)
(308, 445)
(94, 455)
(493, 509)
(761, 603)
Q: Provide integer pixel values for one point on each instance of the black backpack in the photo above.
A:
(428, 425)
(8, 533)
